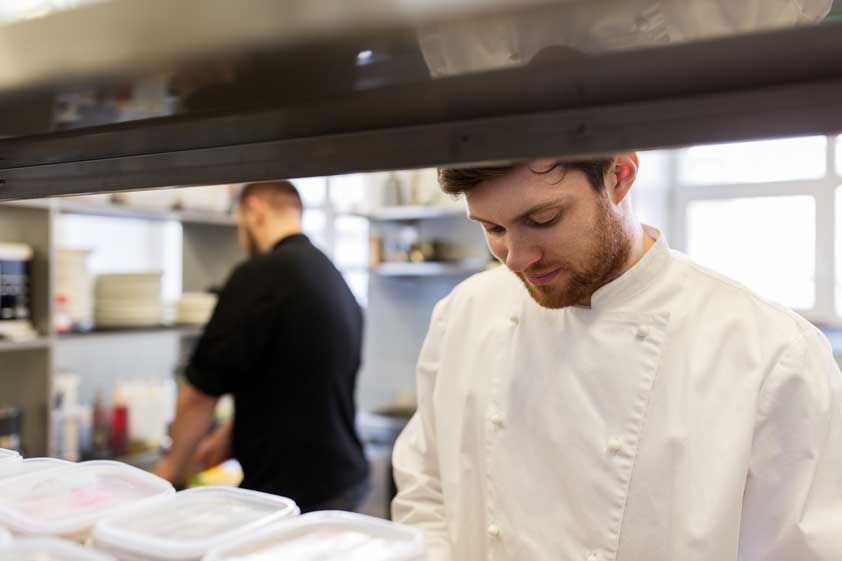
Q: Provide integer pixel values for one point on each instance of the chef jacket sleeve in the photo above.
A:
(792, 506)
(420, 501)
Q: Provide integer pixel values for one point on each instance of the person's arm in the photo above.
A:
(792, 507)
(420, 502)
(193, 418)
(216, 447)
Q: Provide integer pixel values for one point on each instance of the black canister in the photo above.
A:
(15, 266)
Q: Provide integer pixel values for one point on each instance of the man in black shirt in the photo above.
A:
(285, 340)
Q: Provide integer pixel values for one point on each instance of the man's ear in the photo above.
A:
(256, 210)
(622, 176)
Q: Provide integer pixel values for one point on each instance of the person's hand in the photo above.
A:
(166, 470)
(214, 448)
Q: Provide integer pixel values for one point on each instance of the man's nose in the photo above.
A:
(521, 254)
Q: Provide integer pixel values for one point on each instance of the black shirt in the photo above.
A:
(285, 339)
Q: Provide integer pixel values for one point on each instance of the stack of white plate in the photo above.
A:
(129, 300)
(195, 308)
(75, 281)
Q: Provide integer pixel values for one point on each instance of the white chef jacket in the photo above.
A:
(680, 417)
(596, 26)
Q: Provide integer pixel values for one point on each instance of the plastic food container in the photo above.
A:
(8, 457)
(30, 465)
(49, 549)
(327, 536)
(66, 501)
(185, 526)
(5, 537)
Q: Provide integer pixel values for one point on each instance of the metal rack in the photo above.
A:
(727, 89)
(757, 86)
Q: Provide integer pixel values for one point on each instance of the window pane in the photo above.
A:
(127, 245)
(839, 154)
(313, 190)
(745, 240)
(313, 224)
(754, 162)
(358, 283)
(838, 273)
(347, 192)
(351, 248)
(651, 194)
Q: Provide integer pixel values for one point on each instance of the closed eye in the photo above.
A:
(493, 228)
(544, 221)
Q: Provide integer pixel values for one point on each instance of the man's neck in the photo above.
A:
(641, 243)
(271, 239)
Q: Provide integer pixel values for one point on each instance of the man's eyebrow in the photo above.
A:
(533, 210)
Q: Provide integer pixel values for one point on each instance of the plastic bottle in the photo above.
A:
(119, 437)
(62, 321)
(100, 428)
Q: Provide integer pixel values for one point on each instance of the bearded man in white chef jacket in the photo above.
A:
(601, 397)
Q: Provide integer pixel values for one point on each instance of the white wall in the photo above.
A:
(398, 316)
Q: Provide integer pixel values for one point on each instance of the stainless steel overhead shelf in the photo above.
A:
(263, 89)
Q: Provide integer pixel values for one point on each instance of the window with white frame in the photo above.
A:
(764, 214)
(342, 236)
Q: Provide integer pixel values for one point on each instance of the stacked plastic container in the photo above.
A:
(49, 549)
(9, 460)
(66, 501)
(327, 536)
(5, 537)
(185, 526)
(124, 514)
(30, 465)
(8, 457)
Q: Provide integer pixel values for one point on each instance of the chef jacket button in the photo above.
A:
(615, 446)
(493, 531)
(497, 420)
(642, 332)
(514, 319)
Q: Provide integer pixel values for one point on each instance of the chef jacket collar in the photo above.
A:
(642, 274)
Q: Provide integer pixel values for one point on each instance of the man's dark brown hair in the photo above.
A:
(277, 194)
(456, 181)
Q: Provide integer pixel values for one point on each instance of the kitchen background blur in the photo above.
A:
(103, 296)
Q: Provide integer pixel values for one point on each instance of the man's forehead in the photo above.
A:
(522, 188)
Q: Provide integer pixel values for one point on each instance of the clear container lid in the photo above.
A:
(5, 537)
(185, 526)
(8, 456)
(49, 549)
(327, 536)
(30, 465)
(68, 500)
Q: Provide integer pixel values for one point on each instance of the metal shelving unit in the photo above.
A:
(210, 249)
(29, 345)
(123, 211)
(727, 89)
(409, 213)
(428, 269)
(182, 330)
(724, 89)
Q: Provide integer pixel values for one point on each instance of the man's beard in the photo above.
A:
(609, 252)
(252, 248)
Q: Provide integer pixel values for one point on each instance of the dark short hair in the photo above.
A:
(457, 181)
(278, 193)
